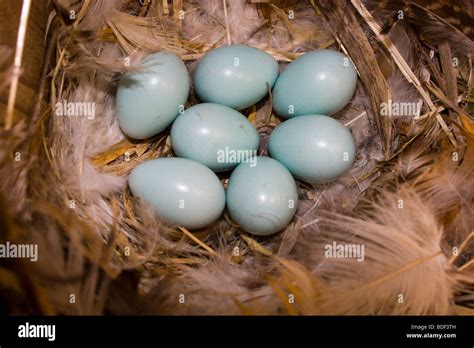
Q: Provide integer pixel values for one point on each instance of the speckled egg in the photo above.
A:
(148, 100)
(262, 196)
(214, 135)
(182, 192)
(318, 82)
(235, 75)
(314, 148)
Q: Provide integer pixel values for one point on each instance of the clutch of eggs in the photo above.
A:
(211, 137)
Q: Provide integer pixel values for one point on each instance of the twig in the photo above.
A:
(401, 63)
(348, 123)
(311, 223)
(466, 266)
(315, 204)
(462, 247)
(357, 182)
(44, 73)
(449, 74)
(256, 246)
(349, 33)
(20, 43)
(399, 60)
(198, 241)
(229, 41)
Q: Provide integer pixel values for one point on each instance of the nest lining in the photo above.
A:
(100, 244)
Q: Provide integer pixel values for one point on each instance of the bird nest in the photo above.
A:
(407, 202)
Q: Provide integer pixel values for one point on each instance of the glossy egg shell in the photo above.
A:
(182, 192)
(314, 148)
(318, 82)
(148, 100)
(236, 76)
(262, 198)
(211, 134)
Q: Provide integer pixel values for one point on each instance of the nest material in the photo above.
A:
(408, 199)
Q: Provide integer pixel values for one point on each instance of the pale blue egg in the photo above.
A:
(148, 100)
(314, 148)
(236, 75)
(262, 196)
(318, 82)
(182, 192)
(214, 135)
